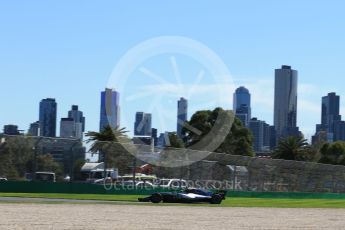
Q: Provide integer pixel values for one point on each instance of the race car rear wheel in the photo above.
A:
(216, 199)
(156, 198)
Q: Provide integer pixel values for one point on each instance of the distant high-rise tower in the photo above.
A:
(11, 130)
(241, 105)
(34, 129)
(77, 116)
(67, 128)
(329, 130)
(182, 113)
(110, 109)
(74, 125)
(142, 125)
(257, 128)
(285, 102)
(154, 135)
(48, 111)
(330, 112)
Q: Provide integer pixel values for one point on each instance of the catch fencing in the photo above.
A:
(239, 173)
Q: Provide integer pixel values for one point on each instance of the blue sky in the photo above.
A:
(68, 50)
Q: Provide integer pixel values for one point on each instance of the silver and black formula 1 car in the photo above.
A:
(187, 196)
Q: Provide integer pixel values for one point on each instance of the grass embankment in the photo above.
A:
(229, 202)
(100, 197)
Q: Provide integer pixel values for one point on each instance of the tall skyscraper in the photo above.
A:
(34, 129)
(77, 116)
(330, 128)
(285, 102)
(267, 137)
(47, 114)
(142, 125)
(261, 135)
(110, 109)
(154, 135)
(67, 128)
(330, 112)
(257, 128)
(339, 131)
(182, 113)
(74, 125)
(241, 105)
(163, 139)
(272, 137)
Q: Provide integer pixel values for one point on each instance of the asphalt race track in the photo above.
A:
(117, 216)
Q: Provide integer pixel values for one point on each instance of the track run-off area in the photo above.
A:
(33, 215)
(88, 211)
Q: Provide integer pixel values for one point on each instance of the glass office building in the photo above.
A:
(47, 115)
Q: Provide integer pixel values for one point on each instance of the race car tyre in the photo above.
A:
(216, 199)
(156, 198)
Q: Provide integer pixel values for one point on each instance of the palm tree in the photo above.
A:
(104, 140)
(107, 135)
(292, 148)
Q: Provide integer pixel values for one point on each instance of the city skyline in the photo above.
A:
(265, 136)
(143, 121)
(35, 62)
(75, 114)
(331, 128)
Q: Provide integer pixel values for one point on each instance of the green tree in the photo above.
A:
(333, 153)
(7, 167)
(100, 140)
(175, 141)
(46, 163)
(239, 141)
(78, 164)
(15, 153)
(293, 148)
(221, 125)
(110, 142)
(17, 157)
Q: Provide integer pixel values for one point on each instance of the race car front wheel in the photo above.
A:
(156, 198)
(216, 199)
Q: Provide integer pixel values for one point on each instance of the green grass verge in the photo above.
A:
(229, 202)
(100, 197)
(284, 203)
